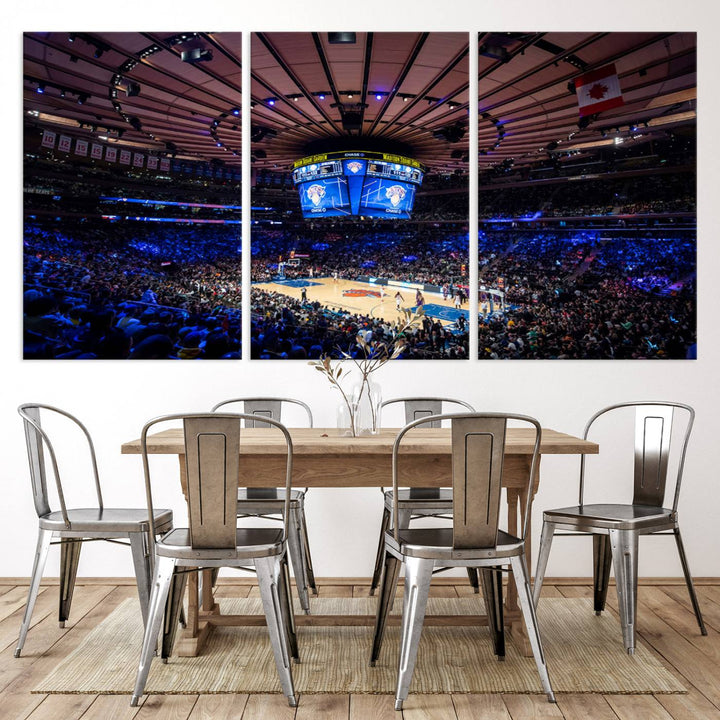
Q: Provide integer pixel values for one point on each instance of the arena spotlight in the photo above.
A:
(236, 111)
(132, 89)
(196, 55)
(321, 96)
(82, 98)
(41, 88)
(342, 38)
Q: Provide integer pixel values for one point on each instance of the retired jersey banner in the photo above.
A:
(81, 147)
(125, 156)
(110, 154)
(165, 164)
(96, 151)
(48, 139)
(152, 162)
(138, 160)
(598, 90)
(65, 144)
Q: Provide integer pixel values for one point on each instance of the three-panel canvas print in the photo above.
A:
(579, 148)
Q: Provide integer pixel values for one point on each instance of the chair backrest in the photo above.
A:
(653, 442)
(478, 448)
(263, 408)
(38, 441)
(421, 407)
(213, 467)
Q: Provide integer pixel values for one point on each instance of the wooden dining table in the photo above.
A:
(322, 457)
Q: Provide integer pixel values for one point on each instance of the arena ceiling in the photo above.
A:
(180, 92)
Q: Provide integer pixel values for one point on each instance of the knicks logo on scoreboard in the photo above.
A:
(395, 193)
(354, 166)
(315, 194)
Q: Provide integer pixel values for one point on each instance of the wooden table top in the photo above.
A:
(328, 441)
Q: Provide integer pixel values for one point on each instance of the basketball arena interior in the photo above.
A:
(359, 160)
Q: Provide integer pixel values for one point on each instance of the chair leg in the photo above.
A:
(380, 557)
(164, 571)
(689, 581)
(41, 553)
(69, 559)
(474, 579)
(602, 561)
(294, 543)
(385, 602)
(173, 607)
(418, 574)
(624, 545)
(546, 538)
(522, 582)
(307, 558)
(143, 570)
(268, 574)
(286, 608)
(493, 597)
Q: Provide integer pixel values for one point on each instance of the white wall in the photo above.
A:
(116, 398)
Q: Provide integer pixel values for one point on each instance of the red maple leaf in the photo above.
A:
(597, 91)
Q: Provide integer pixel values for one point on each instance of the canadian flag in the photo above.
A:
(598, 90)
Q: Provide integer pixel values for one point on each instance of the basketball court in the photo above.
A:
(364, 298)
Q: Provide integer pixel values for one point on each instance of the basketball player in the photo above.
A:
(398, 299)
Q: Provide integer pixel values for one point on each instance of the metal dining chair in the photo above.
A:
(474, 540)
(268, 502)
(417, 502)
(616, 528)
(213, 539)
(71, 527)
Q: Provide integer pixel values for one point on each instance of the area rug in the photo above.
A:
(584, 654)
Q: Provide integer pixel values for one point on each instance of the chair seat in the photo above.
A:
(250, 543)
(121, 520)
(267, 500)
(419, 499)
(616, 517)
(436, 543)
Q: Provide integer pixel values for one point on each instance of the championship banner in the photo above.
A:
(96, 151)
(81, 147)
(125, 156)
(111, 154)
(165, 164)
(48, 139)
(152, 162)
(598, 90)
(65, 144)
(138, 160)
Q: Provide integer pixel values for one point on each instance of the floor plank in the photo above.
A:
(692, 705)
(480, 707)
(62, 707)
(328, 707)
(219, 707)
(529, 707)
(429, 707)
(167, 707)
(12, 600)
(113, 707)
(376, 707)
(268, 707)
(585, 707)
(632, 707)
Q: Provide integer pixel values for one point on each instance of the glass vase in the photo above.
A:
(367, 397)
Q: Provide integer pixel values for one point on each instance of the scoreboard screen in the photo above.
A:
(325, 197)
(357, 183)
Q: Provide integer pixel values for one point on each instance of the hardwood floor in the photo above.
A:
(665, 623)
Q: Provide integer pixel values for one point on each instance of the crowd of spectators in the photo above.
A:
(286, 328)
(101, 290)
(589, 297)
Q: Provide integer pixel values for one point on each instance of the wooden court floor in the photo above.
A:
(665, 623)
(330, 294)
